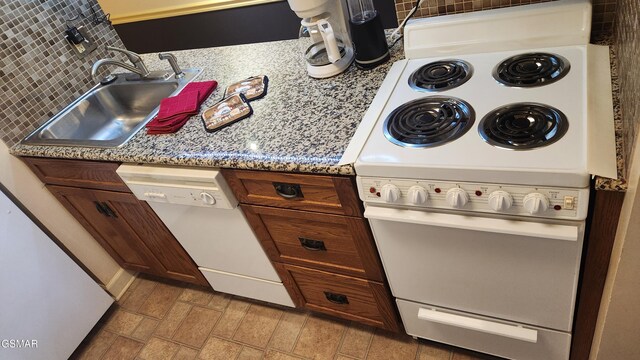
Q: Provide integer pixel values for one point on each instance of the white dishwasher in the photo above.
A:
(198, 207)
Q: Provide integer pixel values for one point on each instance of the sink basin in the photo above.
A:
(109, 115)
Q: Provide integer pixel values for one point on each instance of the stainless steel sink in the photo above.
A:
(109, 115)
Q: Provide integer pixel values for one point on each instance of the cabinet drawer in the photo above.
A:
(347, 297)
(329, 194)
(77, 173)
(334, 243)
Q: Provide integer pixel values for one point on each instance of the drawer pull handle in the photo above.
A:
(312, 245)
(288, 191)
(109, 211)
(336, 298)
(101, 209)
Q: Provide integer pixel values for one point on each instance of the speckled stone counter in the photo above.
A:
(620, 183)
(301, 125)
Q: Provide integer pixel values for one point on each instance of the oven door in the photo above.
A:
(517, 270)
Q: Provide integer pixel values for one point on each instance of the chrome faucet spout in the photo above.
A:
(102, 62)
(138, 65)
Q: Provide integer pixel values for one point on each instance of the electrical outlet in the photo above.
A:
(78, 39)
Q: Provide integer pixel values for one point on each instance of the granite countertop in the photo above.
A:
(620, 183)
(301, 125)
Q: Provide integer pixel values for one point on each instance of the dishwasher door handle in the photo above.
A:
(155, 196)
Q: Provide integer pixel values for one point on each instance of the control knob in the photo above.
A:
(457, 198)
(535, 203)
(500, 200)
(417, 195)
(207, 199)
(390, 193)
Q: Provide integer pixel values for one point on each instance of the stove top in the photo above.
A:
(542, 114)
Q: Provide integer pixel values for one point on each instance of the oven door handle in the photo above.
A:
(475, 223)
(489, 327)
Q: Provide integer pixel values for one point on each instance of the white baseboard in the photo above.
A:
(119, 283)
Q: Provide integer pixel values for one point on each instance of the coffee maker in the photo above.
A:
(324, 36)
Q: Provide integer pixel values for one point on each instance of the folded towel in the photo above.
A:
(175, 111)
(184, 103)
(205, 88)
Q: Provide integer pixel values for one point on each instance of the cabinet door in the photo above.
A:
(129, 231)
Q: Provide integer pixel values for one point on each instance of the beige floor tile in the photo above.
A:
(123, 322)
(388, 346)
(433, 352)
(186, 353)
(158, 349)
(138, 295)
(219, 301)
(464, 355)
(258, 325)
(172, 320)
(276, 355)
(231, 318)
(160, 300)
(356, 341)
(97, 345)
(288, 330)
(123, 349)
(216, 348)
(249, 353)
(344, 357)
(144, 330)
(196, 327)
(196, 295)
(319, 338)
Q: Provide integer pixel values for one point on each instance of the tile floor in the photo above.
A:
(157, 320)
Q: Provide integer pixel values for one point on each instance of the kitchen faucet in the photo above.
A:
(138, 65)
(173, 62)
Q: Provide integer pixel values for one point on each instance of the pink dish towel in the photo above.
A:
(175, 111)
(184, 103)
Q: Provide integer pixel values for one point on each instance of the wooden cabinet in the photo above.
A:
(126, 227)
(312, 229)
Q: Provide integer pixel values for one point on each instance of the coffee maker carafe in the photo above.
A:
(324, 37)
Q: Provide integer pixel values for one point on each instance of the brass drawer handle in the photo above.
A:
(312, 245)
(336, 298)
(288, 191)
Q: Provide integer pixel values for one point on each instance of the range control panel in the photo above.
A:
(557, 203)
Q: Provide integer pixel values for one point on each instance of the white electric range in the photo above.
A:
(474, 163)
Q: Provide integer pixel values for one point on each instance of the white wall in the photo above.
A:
(618, 328)
(30, 191)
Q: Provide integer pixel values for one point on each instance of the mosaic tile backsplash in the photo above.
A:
(39, 72)
(627, 46)
(603, 10)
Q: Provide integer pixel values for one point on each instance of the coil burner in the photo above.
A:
(531, 69)
(523, 126)
(428, 122)
(440, 75)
